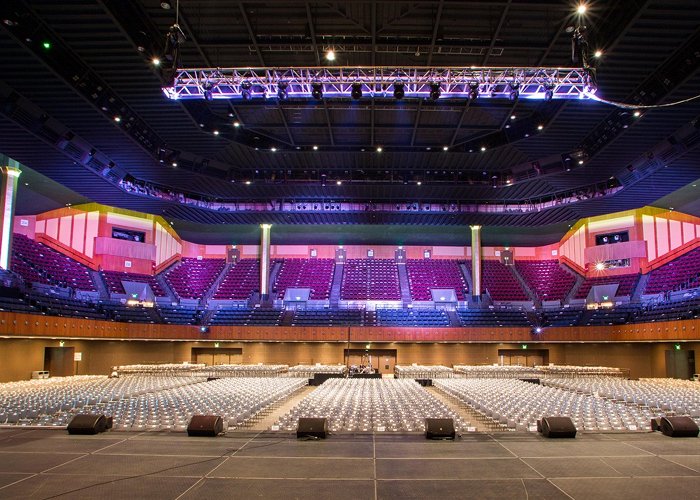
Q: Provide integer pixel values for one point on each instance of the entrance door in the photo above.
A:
(524, 357)
(680, 364)
(59, 361)
(215, 356)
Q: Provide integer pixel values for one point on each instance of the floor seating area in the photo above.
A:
(680, 273)
(316, 274)
(37, 263)
(423, 371)
(114, 280)
(192, 278)
(427, 274)
(241, 280)
(370, 279)
(546, 278)
(412, 317)
(308, 371)
(626, 284)
(328, 317)
(367, 405)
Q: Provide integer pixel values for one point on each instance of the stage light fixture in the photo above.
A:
(166, 5)
(513, 90)
(315, 148)
(548, 91)
(540, 127)
(155, 61)
(245, 90)
(317, 90)
(598, 53)
(330, 55)
(399, 89)
(282, 93)
(236, 124)
(581, 9)
(356, 92)
(435, 91)
(473, 90)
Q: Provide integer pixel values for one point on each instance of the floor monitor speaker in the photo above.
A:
(84, 423)
(558, 427)
(205, 426)
(679, 427)
(312, 428)
(439, 428)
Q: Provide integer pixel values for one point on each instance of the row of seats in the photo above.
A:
(315, 274)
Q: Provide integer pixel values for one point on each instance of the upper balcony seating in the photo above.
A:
(626, 282)
(192, 277)
(499, 281)
(680, 273)
(316, 274)
(546, 278)
(240, 281)
(114, 282)
(370, 279)
(426, 274)
(38, 263)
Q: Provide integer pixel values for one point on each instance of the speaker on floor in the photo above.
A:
(313, 428)
(656, 424)
(439, 428)
(679, 427)
(558, 427)
(84, 423)
(205, 426)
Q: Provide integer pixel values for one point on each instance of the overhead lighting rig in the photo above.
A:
(423, 82)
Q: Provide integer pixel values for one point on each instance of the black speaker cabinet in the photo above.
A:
(439, 428)
(312, 427)
(679, 427)
(205, 426)
(558, 427)
(656, 424)
(84, 423)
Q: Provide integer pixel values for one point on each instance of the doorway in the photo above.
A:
(680, 364)
(381, 360)
(523, 357)
(213, 357)
(59, 361)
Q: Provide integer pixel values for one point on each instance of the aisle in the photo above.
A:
(265, 423)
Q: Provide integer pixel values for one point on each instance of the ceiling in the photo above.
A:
(58, 104)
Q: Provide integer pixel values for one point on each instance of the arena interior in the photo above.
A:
(376, 249)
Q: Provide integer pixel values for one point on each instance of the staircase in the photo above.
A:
(160, 278)
(206, 316)
(287, 318)
(526, 288)
(579, 281)
(212, 289)
(334, 298)
(404, 285)
(100, 284)
(636, 297)
(467, 276)
(276, 267)
(453, 317)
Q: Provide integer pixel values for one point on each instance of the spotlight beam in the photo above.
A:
(378, 82)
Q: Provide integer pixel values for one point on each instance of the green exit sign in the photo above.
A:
(524, 346)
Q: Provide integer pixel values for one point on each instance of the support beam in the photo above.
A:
(265, 262)
(476, 263)
(8, 194)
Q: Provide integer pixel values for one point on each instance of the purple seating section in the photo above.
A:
(546, 278)
(38, 263)
(316, 274)
(626, 282)
(240, 281)
(499, 281)
(192, 278)
(114, 282)
(423, 275)
(680, 273)
(370, 279)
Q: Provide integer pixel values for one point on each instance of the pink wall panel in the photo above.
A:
(52, 228)
(78, 240)
(65, 227)
(91, 227)
(675, 232)
(661, 236)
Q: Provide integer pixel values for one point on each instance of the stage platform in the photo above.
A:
(42, 464)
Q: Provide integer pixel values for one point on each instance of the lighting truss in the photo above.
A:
(378, 82)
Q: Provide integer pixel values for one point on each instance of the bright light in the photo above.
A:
(445, 148)
(636, 114)
(330, 55)
(46, 45)
(236, 124)
(155, 61)
(274, 150)
(174, 164)
(580, 162)
(512, 117)
(379, 149)
(315, 148)
(117, 119)
(216, 132)
(339, 183)
(598, 53)
(483, 148)
(419, 183)
(581, 9)
(247, 183)
(600, 266)
(540, 127)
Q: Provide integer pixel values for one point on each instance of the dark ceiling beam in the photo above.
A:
(373, 21)
(385, 126)
(496, 33)
(431, 50)
(312, 32)
(345, 16)
(391, 22)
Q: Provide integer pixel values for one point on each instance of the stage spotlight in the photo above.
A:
(245, 90)
(473, 90)
(600, 266)
(330, 55)
(548, 91)
(208, 95)
(513, 90)
(399, 89)
(581, 9)
(282, 91)
(537, 330)
(356, 92)
(435, 91)
(317, 90)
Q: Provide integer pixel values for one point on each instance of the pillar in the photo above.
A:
(8, 187)
(265, 261)
(476, 262)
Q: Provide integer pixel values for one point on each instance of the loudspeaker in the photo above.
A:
(205, 426)
(84, 423)
(312, 427)
(679, 427)
(558, 427)
(439, 428)
(656, 424)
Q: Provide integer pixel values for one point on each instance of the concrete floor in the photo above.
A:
(43, 464)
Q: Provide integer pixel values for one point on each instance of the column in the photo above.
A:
(8, 187)
(265, 261)
(476, 262)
